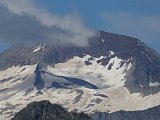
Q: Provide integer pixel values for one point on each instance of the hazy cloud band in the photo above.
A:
(22, 20)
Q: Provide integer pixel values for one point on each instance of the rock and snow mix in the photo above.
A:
(17, 87)
(40, 47)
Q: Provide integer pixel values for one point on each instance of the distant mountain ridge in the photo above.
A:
(149, 114)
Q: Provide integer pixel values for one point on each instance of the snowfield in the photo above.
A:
(17, 87)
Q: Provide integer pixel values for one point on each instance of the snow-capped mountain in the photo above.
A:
(113, 73)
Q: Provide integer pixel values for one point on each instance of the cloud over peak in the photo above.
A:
(22, 20)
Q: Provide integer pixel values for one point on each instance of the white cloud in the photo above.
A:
(74, 30)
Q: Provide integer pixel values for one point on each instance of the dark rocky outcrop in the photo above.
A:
(44, 110)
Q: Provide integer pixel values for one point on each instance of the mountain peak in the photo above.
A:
(112, 68)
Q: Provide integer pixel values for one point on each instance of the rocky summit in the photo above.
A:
(44, 110)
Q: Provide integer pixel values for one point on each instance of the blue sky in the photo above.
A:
(137, 18)
(3, 46)
(96, 12)
(92, 10)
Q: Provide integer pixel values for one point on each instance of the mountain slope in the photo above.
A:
(114, 71)
(149, 114)
(145, 61)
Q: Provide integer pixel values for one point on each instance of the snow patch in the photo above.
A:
(142, 52)
(140, 85)
(18, 79)
(96, 73)
(154, 84)
(139, 42)
(148, 58)
(92, 59)
(102, 40)
(40, 47)
(111, 53)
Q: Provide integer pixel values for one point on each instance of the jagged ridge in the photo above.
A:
(44, 110)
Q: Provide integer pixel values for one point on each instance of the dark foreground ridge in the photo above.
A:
(44, 110)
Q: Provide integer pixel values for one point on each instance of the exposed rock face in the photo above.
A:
(149, 114)
(44, 110)
(145, 61)
(113, 73)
